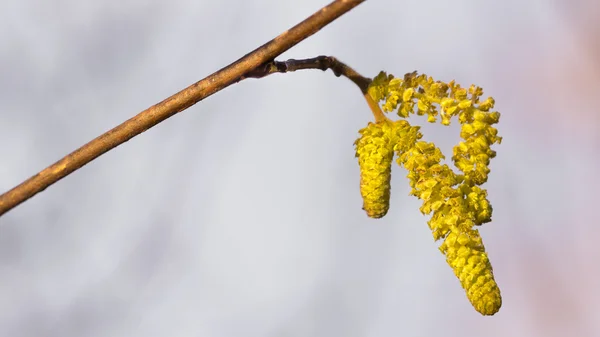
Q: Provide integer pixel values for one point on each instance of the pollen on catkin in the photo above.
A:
(466, 255)
(457, 208)
(375, 152)
(457, 201)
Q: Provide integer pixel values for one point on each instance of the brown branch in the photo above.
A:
(174, 104)
(323, 63)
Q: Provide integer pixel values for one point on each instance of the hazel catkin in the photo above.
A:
(375, 152)
(456, 199)
(466, 255)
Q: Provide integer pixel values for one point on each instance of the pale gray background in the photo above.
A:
(242, 216)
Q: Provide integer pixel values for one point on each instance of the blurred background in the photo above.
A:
(242, 215)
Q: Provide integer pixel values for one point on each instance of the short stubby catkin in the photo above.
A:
(466, 255)
(375, 152)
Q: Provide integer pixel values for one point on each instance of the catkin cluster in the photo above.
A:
(455, 201)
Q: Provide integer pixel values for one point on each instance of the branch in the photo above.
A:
(178, 102)
(323, 63)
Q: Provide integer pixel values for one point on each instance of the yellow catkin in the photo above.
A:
(466, 255)
(375, 152)
(456, 200)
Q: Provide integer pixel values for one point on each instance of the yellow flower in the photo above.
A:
(466, 255)
(375, 152)
(455, 201)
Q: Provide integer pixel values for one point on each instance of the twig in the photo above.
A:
(319, 62)
(174, 104)
(323, 63)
